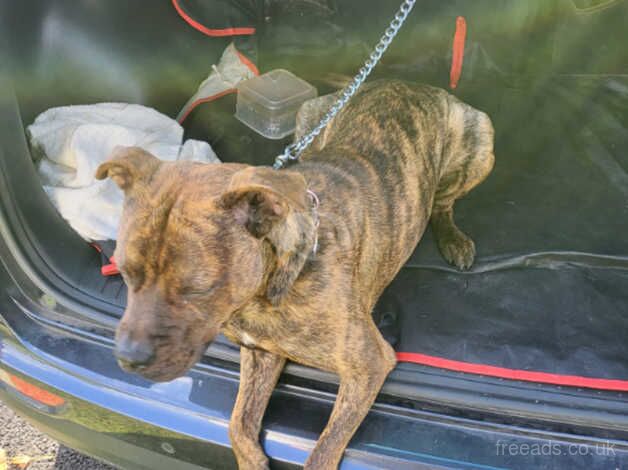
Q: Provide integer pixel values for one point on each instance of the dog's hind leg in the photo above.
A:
(259, 372)
(468, 159)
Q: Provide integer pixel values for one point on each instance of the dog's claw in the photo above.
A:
(458, 250)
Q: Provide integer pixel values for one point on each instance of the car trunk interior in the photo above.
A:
(549, 290)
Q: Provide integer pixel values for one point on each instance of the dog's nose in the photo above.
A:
(132, 353)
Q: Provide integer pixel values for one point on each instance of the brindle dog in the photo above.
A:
(249, 252)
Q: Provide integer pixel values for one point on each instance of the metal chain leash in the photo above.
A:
(294, 150)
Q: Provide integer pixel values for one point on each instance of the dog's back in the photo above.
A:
(396, 146)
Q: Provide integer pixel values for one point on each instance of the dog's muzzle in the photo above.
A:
(133, 354)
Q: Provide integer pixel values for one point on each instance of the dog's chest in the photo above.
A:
(241, 337)
(291, 336)
(247, 340)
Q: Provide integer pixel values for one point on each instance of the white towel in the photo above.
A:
(71, 141)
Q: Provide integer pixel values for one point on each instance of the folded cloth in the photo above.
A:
(68, 144)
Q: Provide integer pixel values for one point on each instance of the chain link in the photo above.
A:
(294, 150)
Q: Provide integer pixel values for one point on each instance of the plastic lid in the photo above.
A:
(276, 89)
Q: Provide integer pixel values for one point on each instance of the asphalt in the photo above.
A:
(24, 447)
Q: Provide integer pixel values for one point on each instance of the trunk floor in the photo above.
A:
(569, 321)
(549, 290)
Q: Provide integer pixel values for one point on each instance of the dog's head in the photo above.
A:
(196, 244)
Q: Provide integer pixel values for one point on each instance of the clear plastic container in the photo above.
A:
(268, 104)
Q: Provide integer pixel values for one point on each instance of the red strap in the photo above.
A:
(110, 269)
(514, 374)
(245, 31)
(457, 58)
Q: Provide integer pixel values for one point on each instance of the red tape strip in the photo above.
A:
(110, 269)
(514, 374)
(244, 31)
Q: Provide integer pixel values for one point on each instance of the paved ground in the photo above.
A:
(23, 447)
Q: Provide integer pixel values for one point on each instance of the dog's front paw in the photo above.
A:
(457, 249)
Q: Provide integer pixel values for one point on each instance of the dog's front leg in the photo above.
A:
(259, 372)
(356, 394)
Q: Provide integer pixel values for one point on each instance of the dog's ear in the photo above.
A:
(128, 166)
(273, 205)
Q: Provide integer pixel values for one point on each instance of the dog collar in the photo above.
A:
(315, 204)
